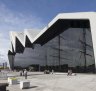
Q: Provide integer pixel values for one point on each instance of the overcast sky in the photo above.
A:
(17, 15)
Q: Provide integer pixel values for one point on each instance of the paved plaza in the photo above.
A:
(56, 82)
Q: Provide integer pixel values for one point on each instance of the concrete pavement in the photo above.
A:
(58, 82)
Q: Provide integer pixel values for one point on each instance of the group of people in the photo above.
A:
(23, 73)
(48, 72)
(70, 73)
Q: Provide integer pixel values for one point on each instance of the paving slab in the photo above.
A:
(57, 82)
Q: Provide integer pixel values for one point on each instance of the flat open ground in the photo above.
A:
(56, 82)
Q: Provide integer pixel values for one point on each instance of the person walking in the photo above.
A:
(52, 71)
(20, 73)
(25, 73)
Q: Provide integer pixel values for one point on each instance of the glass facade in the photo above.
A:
(71, 49)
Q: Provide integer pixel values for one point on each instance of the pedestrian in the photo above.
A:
(25, 73)
(69, 72)
(52, 71)
(20, 73)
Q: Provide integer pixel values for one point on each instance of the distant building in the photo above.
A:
(68, 42)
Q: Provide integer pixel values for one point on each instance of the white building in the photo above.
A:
(67, 42)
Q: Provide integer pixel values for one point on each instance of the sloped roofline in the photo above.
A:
(77, 15)
(13, 36)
